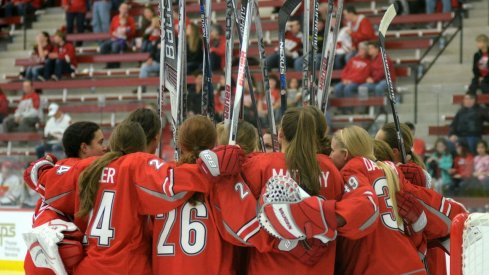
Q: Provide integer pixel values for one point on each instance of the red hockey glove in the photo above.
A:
(287, 214)
(413, 173)
(32, 173)
(224, 160)
(71, 253)
(309, 252)
(411, 211)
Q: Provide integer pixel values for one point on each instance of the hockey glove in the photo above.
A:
(31, 174)
(413, 173)
(224, 160)
(309, 252)
(411, 211)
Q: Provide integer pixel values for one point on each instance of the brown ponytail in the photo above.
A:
(247, 136)
(299, 129)
(390, 136)
(196, 134)
(128, 137)
(324, 142)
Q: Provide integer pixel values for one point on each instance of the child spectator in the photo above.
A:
(152, 36)
(3, 105)
(195, 55)
(26, 115)
(75, 11)
(294, 94)
(293, 46)
(122, 29)
(356, 72)
(468, 122)
(53, 132)
(62, 60)
(10, 185)
(359, 28)
(40, 53)
(217, 48)
(376, 83)
(481, 163)
(439, 165)
(480, 66)
(419, 145)
(463, 167)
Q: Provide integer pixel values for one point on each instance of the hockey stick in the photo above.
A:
(283, 16)
(241, 72)
(266, 81)
(207, 88)
(331, 52)
(248, 73)
(229, 63)
(306, 50)
(181, 75)
(384, 25)
(312, 80)
(324, 56)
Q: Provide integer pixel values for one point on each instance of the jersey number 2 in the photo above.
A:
(193, 233)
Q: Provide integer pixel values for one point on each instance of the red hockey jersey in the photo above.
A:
(258, 169)
(386, 250)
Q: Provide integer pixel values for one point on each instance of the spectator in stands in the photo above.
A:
(299, 62)
(101, 15)
(293, 46)
(480, 66)
(18, 7)
(419, 145)
(148, 14)
(151, 35)
(468, 122)
(217, 47)
(463, 167)
(294, 93)
(275, 101)
(53, 132)
(152, 64)
(194, 95)
(344, 48)
(359, 28)
(40, 53)
(3, 105)
(75, 13)
(356, 72)
(26, 115)
(481, 163)
(439, 165)
(10, 185)
(122, 30)
(431, 6)
(195, 54)
(376, 83)
(62, 61)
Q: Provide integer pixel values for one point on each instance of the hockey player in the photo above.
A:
(387, 250)
(347, 210)
(80, 140)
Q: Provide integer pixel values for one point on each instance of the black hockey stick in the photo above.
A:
(306, 49)
(312, 80)
(324, 56)
(283, 16)
(207, 88)
(384, 25)
(266, 82)
(241, 73)
(229, 64)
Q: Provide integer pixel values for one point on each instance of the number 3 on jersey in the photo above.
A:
(101, 225)
(193, 233)
(387, 212)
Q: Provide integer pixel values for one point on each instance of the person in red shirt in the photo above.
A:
(480, 66)
(293, 46)
(351, 211)
(62, 61)
(80, 140)
(359, 28)
(217, 48)
(26, 114)
(376, 82)
(122, 30)
(463, 167)
(3, 105)
(75, 11)
(356, 72)
(387, 250)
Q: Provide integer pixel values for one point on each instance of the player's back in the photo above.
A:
(115, 239)
(386, 250)
(256, 171)
(187, 241)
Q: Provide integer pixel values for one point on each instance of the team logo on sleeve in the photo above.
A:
(62, 169)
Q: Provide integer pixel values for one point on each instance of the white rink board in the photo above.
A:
(12, 224)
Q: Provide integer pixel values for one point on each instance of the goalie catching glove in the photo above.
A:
(289, 213)
(55, 245)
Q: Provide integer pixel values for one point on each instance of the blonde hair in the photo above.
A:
(358, 143)
(483, 39)
(128, 137)
(247, 136)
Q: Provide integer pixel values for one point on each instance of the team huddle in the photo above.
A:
(321, 205)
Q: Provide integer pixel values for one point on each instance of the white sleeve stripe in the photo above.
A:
(251, 234)
(442, 204)
(449, 210)
(171, 183)
(254, 221)
(35, 169)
